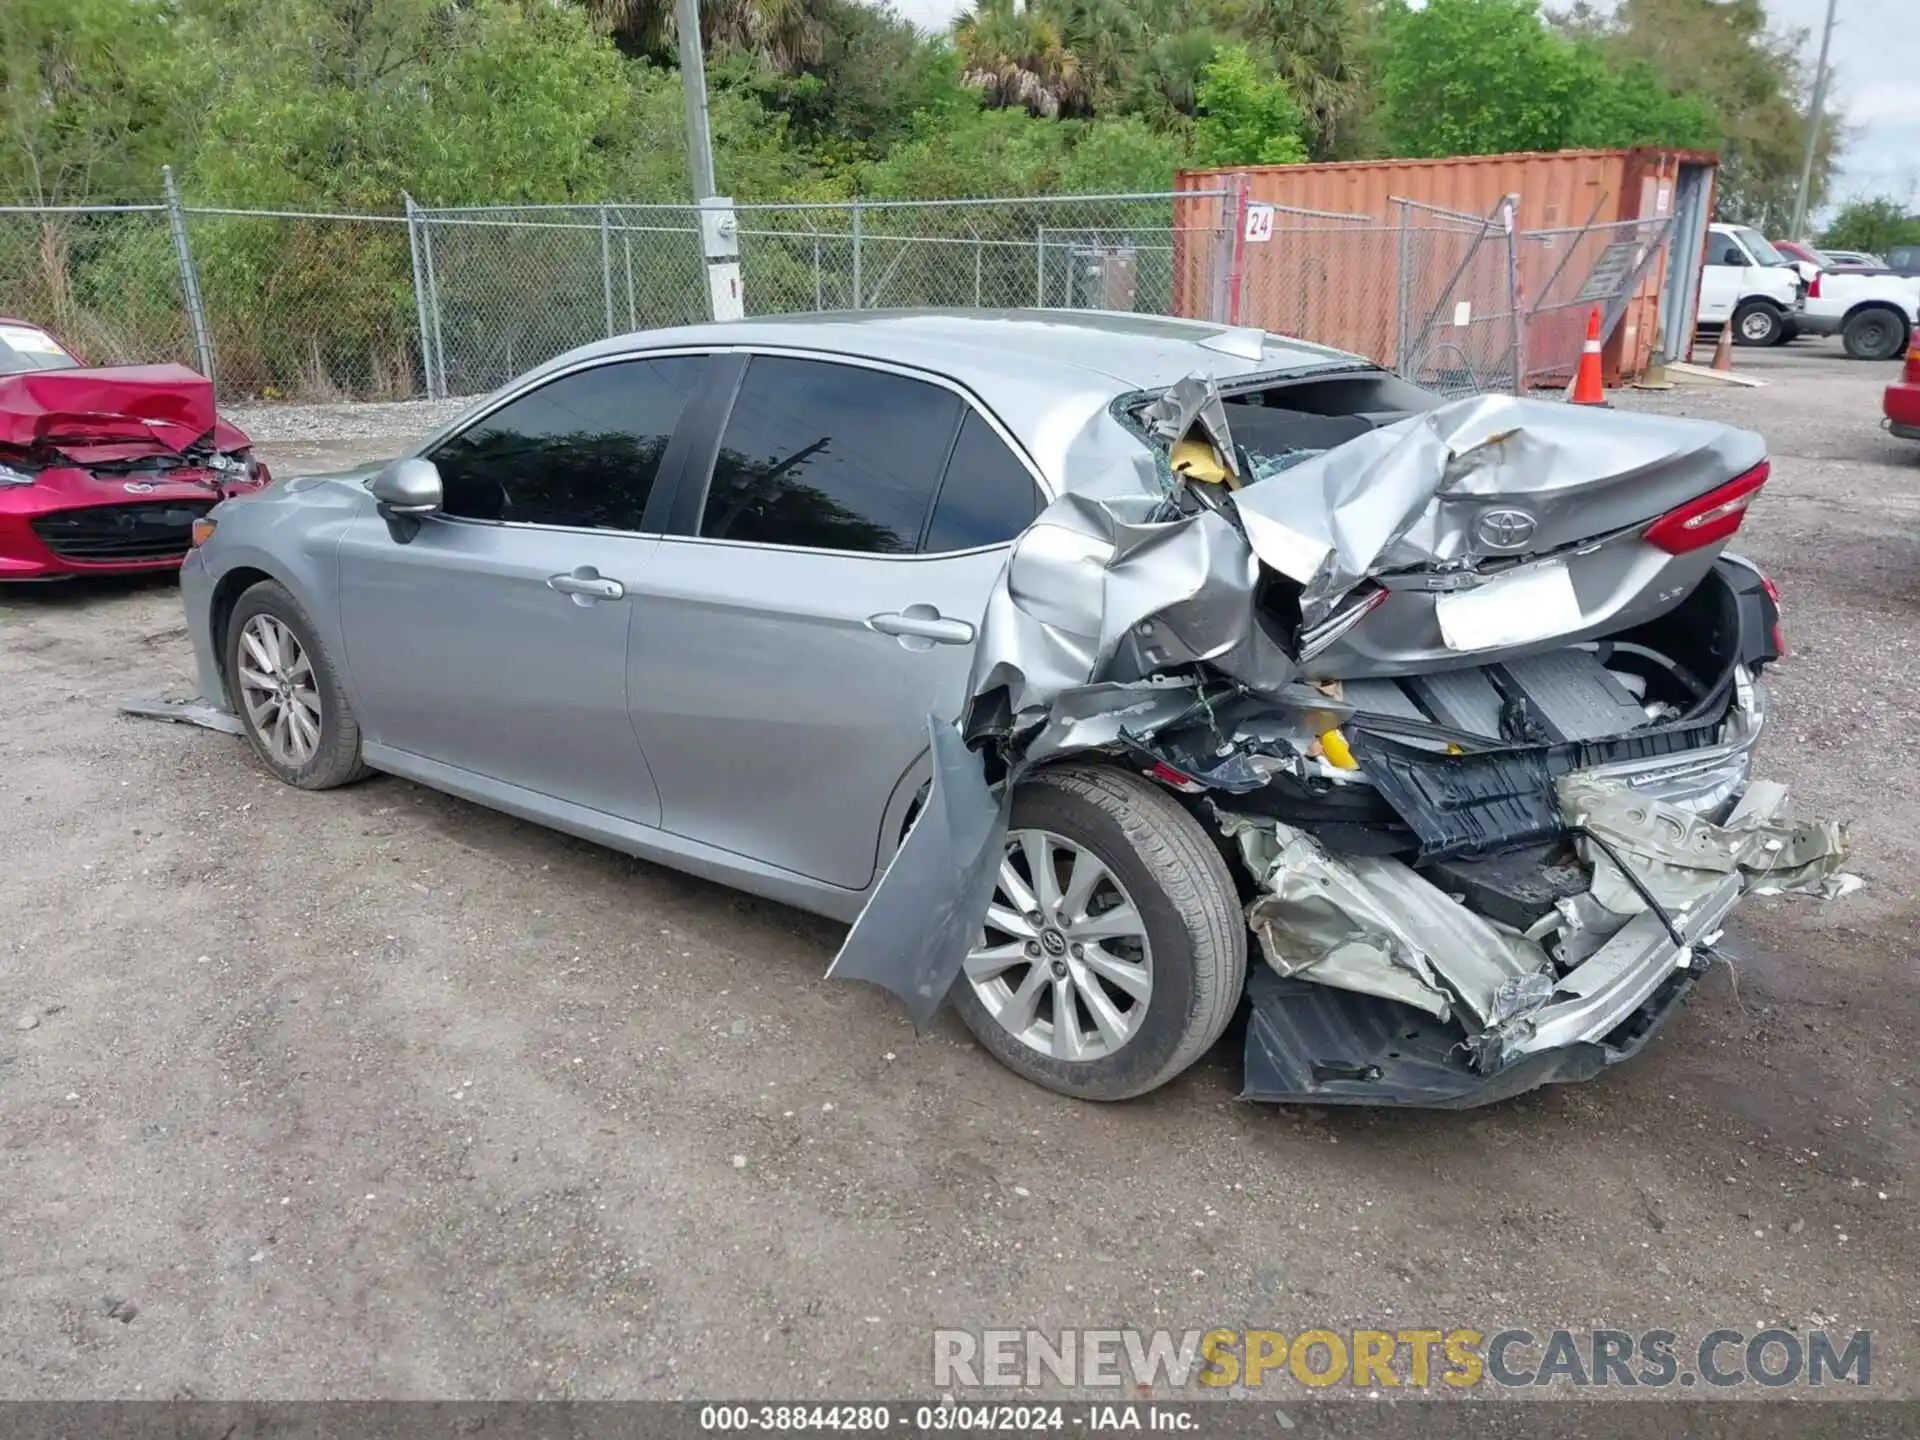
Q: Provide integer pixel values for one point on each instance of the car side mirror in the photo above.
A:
(405, 490)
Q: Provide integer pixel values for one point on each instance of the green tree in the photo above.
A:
(87, 110)
(1756, 83)
(1481, 77)
(1247, 117)
(1473, 77)
(1318, 48)
(1874, 225)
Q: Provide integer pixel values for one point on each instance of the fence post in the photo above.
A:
(437, 379)
(1040, 267)
(1224, 283)
(626, 254)
(856, 254)
(606, 268)
(1511, 215)
(419, 294)
(189, 280)
(817, 305)
(1404, 274)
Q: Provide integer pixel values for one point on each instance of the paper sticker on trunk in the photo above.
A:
(1516, 608)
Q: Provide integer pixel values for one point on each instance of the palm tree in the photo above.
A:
(1021, 59)
(1316, 45)
(1166, 78)
(784, 35)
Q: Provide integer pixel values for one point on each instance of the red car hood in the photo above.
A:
(121, 410)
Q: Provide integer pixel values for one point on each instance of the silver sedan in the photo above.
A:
(694, 594)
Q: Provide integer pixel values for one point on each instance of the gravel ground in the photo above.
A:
(375, 1093)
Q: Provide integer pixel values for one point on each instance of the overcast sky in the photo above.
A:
(1876, 64)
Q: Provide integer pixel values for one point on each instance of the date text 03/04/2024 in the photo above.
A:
(948, 1417)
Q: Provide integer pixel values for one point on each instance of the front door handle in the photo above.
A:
(921, 622)
(586, 585)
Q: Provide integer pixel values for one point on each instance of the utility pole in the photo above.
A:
(719, 225)
(1813, 129)
(693, 87)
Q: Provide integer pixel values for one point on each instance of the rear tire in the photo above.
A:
(1875, 334)
(1758, 322)
(277, 667)
(1164, 865)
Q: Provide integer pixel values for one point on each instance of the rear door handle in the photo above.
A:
(922, 622)
(587, 585)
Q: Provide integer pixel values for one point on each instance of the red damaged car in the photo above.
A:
(103, 470)
(1902, 401)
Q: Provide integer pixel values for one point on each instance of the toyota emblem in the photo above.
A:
(1505, 529)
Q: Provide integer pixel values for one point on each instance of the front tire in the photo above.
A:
(1115, 950)
(1874, 335)
(1758, 322)
(284, 688)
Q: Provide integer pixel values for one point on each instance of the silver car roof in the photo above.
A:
(1047, 375)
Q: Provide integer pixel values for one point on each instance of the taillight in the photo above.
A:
(1709, 519)
(1813, 290)
(1912, 375)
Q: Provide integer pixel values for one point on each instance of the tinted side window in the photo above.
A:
(830, 457)
(987, 497)
(582, 450)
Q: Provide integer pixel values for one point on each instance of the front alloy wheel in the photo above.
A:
(287, 692)
(1064, 965)
(277, 687)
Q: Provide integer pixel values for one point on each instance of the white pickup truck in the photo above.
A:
(1769, 297)
(1748, 284)
(1873, 313)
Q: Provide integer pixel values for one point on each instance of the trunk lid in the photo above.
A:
(1491, 528)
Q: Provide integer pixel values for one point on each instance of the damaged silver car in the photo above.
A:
(1114, 674)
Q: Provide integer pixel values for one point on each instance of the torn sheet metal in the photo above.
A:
(1408, 495)
(1194, 401)
(187, 712)
(1369, 923)
(1679, 856)
(1115, 591)
(926, 913)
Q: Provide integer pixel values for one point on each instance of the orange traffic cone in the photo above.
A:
(1587, 387)
(1723, 349)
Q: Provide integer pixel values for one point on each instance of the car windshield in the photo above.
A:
(1759, 247)
(26, 347)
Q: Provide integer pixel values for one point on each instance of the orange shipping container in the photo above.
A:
(1358, 282)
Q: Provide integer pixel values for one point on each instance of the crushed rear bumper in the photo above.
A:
(1310, 1043)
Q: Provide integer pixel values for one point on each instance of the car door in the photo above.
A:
(495, 640)
(1721, 277)
(838, 543)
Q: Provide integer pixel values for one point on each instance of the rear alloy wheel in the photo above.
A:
(1114, 950)
(1758, 323)
(287, 693)
(1874, 335)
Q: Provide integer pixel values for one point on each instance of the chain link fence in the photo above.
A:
(1567, 273)
(449, 302)
(106, 280)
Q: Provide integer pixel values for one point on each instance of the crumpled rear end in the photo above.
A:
(1468, 876)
